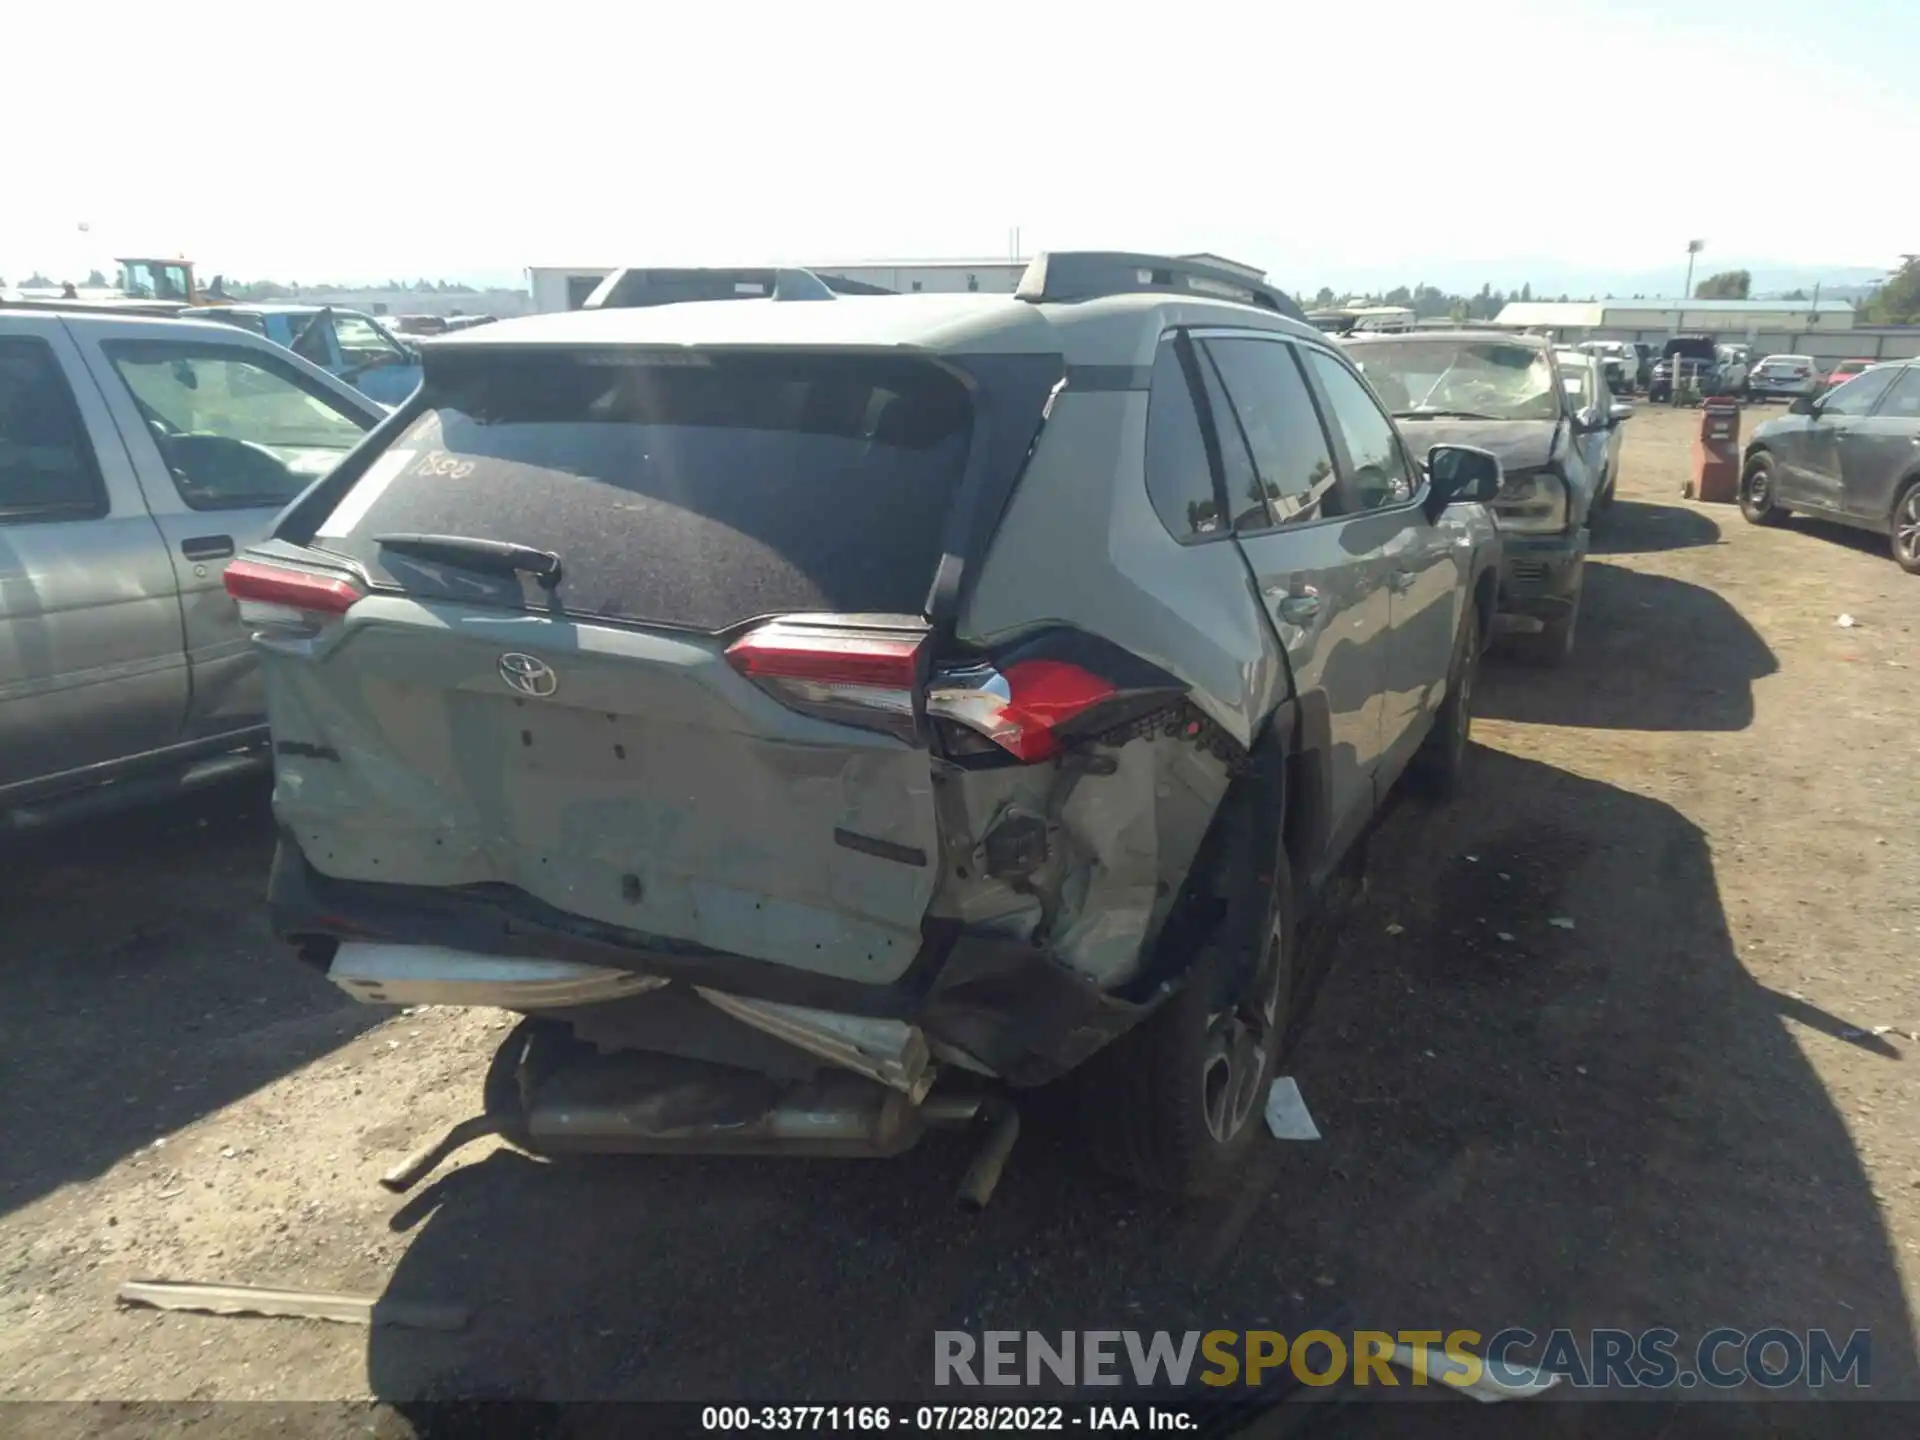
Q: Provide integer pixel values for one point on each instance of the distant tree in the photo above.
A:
(1526, 293)
(1323, 298)
(96, 279)
(1563, 297)
(1897, 302)
(36, 281)
(1794, 295)
(1727, 285)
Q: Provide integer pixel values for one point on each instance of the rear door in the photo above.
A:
(641, 740)
(1427, 576)
(1321, 573)
(1882, 449)
(91, 662)
(223, 431)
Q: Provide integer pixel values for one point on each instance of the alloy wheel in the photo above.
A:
(1906, 528)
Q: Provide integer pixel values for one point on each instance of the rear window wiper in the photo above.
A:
(493, 557)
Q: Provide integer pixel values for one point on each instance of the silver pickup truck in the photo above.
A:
(136, 455)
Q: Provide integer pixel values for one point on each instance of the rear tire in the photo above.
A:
(1441, 762)
(1906, 529)
(1177, 1104)
(1757, 489)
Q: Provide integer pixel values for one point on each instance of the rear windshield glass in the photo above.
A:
(680, 489)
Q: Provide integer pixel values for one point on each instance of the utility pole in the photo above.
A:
(1694, 247)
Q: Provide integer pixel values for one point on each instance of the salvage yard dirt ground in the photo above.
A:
(1695, 1106)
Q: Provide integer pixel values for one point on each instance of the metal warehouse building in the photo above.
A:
(1623, 319)
(1825, 330)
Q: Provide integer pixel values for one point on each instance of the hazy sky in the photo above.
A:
(1331, 142)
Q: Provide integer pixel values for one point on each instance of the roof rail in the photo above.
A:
(165, 309)
(634, 286)
(1089, 274)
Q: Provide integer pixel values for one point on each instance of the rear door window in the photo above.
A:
(236, 428)
(1271, 406)
(1381, 474)
(47, 468)
(689, 489)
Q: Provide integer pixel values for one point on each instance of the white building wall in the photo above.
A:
(550, 285)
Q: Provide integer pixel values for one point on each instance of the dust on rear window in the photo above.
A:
(684, 489)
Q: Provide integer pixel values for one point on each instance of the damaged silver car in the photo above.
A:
(827, 717)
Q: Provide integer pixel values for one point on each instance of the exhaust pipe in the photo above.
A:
(652, 1105)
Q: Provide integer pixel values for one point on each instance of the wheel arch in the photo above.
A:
(1900, 489)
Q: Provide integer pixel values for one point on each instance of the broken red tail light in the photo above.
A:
(871, 677)
(276, 595)
(1021, 709)
(846, 673)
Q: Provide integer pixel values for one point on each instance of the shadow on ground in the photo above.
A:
(142, 987)
(1867, 542)
(1640, 526)
(1651, 653)
(1525, 1124)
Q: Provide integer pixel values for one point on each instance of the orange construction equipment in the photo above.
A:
(1716, 453)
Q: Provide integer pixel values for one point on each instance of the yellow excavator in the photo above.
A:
(149, 279)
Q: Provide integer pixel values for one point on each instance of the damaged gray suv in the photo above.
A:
(825, 716)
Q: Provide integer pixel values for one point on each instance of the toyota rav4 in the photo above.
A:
(815, 711)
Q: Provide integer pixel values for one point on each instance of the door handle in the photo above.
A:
(207, 547)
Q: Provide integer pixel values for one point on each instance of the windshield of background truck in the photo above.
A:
(1489, 379)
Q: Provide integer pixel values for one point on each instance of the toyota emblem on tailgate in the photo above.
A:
(528, 674)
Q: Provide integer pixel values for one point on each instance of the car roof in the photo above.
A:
(160, 324)
(935, 323)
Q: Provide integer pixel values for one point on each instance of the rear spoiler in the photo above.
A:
(1066, 275)
(632, 287)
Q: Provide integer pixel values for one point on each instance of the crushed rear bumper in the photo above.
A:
(986, 1002)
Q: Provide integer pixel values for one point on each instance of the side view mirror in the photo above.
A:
(1620, 412)
(1804, 405)
(1459, 474)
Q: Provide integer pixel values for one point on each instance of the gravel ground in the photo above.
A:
(1681, 1109)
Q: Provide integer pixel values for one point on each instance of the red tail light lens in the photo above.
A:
(274, 595)
(1021, 709)
(845, 673)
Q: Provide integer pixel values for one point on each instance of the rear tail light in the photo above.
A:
(279, 596)
(845, 673)
(1021, 710)
(874, 678)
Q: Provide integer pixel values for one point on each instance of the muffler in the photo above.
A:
(649, 1104)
